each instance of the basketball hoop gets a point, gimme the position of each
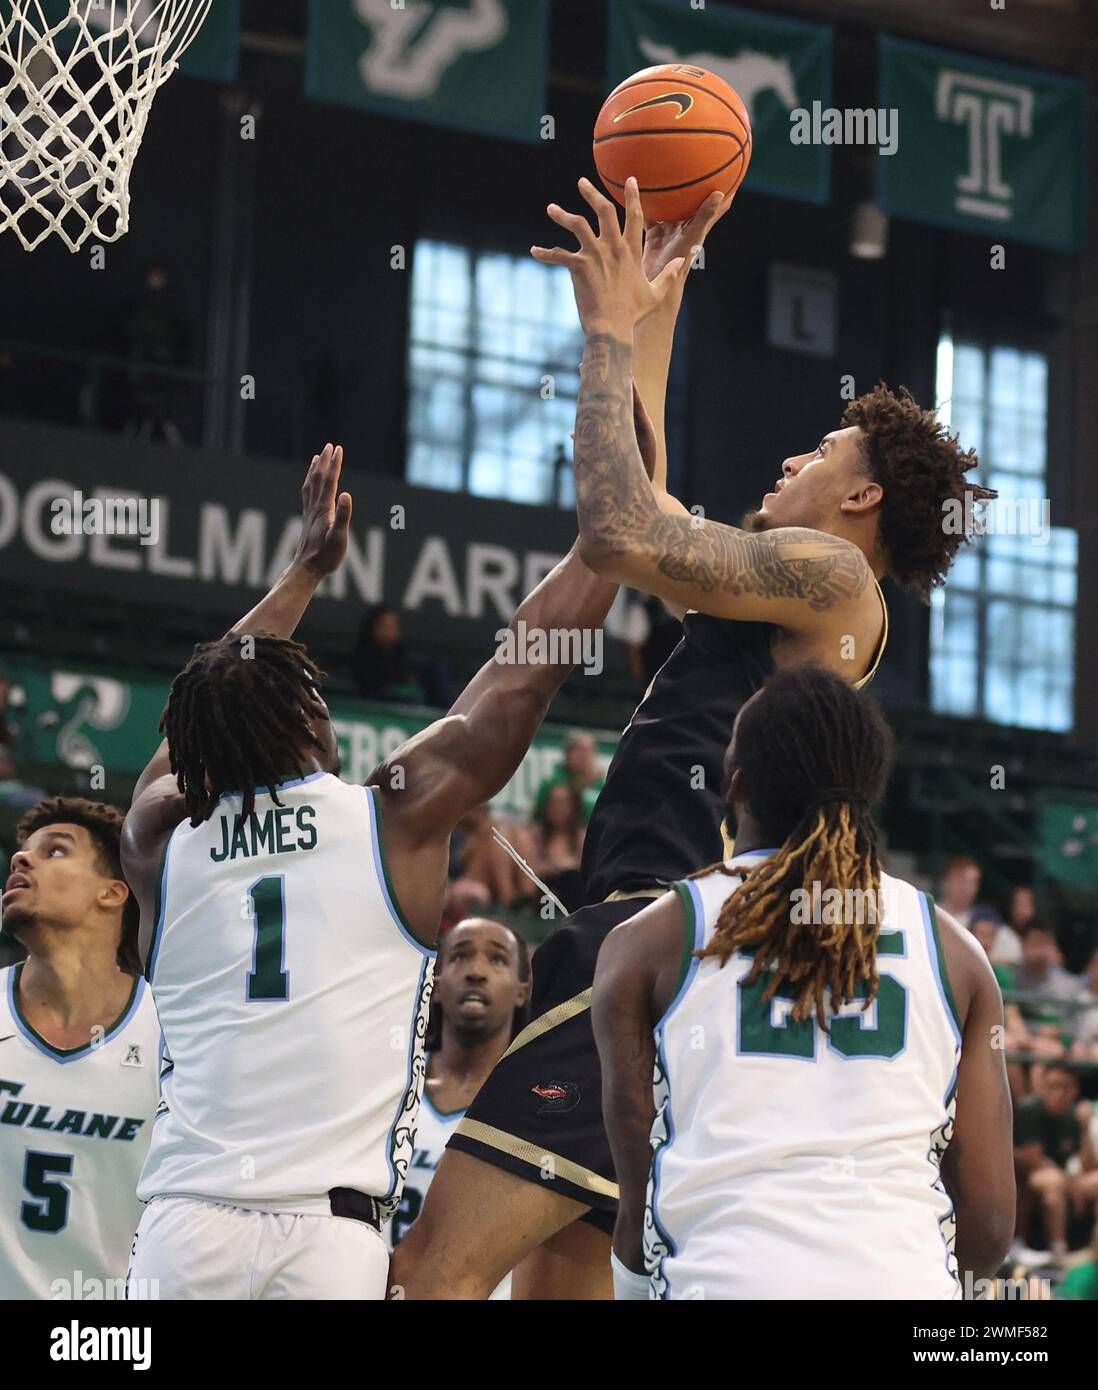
(77, 81)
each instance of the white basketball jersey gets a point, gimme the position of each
(294, 1001)
(74, 1130)
(793, 1163)
(432, 1135)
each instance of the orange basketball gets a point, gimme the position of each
(681, 131)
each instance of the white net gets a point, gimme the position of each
(77, 81)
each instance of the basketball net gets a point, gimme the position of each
(77, 81)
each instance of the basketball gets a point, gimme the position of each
(681, 131)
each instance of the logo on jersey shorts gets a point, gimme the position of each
(558, 1096)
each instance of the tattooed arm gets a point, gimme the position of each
(788, 576)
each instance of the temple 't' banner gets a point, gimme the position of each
(478, 65)
(777, 66)
(984, 147)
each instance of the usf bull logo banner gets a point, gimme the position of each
(476, 65)
(983, 147)
(777, 66)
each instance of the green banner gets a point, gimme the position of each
(1068, 837)
(477, 65)
(777, 66)
(984, 147)
(82, 719)
(215, 52)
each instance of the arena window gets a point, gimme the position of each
(493, 375)
(1002, 632)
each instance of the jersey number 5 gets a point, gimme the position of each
(268, 978)
(50, 1213)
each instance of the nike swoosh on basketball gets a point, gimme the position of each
(683, 100)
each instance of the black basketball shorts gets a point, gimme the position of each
(539, 1114)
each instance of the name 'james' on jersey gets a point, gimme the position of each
(293, 999)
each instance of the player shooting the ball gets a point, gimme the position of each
(797, 582)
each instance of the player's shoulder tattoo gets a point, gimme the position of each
(793, 562)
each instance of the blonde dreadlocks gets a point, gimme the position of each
(812, 754)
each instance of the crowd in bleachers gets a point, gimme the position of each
(1051, 1039)
(549, 840)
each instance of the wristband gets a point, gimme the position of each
(627, 1284)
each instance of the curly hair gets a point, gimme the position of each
(238, 719)
(813, 755)
(921, 468)
(103, 823)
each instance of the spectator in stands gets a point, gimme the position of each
(959, 886)
(1085, 1032)
(1021, 912)
(1022, 909)
(465, 897)
(1048, 1133)
(383, 670)
(1081, 1282)
(985, 925)
(482, 859)
(579, 770)
(1021, 1044)
(155, 335)
(15, 794)
(1005, 950)
(554, 842)
(1042, 979)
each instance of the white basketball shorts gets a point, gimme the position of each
(187, 1248)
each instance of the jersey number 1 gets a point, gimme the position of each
(267, 978)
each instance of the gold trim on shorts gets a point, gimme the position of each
(619, 897)
(553, 1019)
(538, 1157)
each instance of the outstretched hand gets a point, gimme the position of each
(666, 241)
(613, 293)
(325, 514)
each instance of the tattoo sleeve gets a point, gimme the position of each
(619, 518)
